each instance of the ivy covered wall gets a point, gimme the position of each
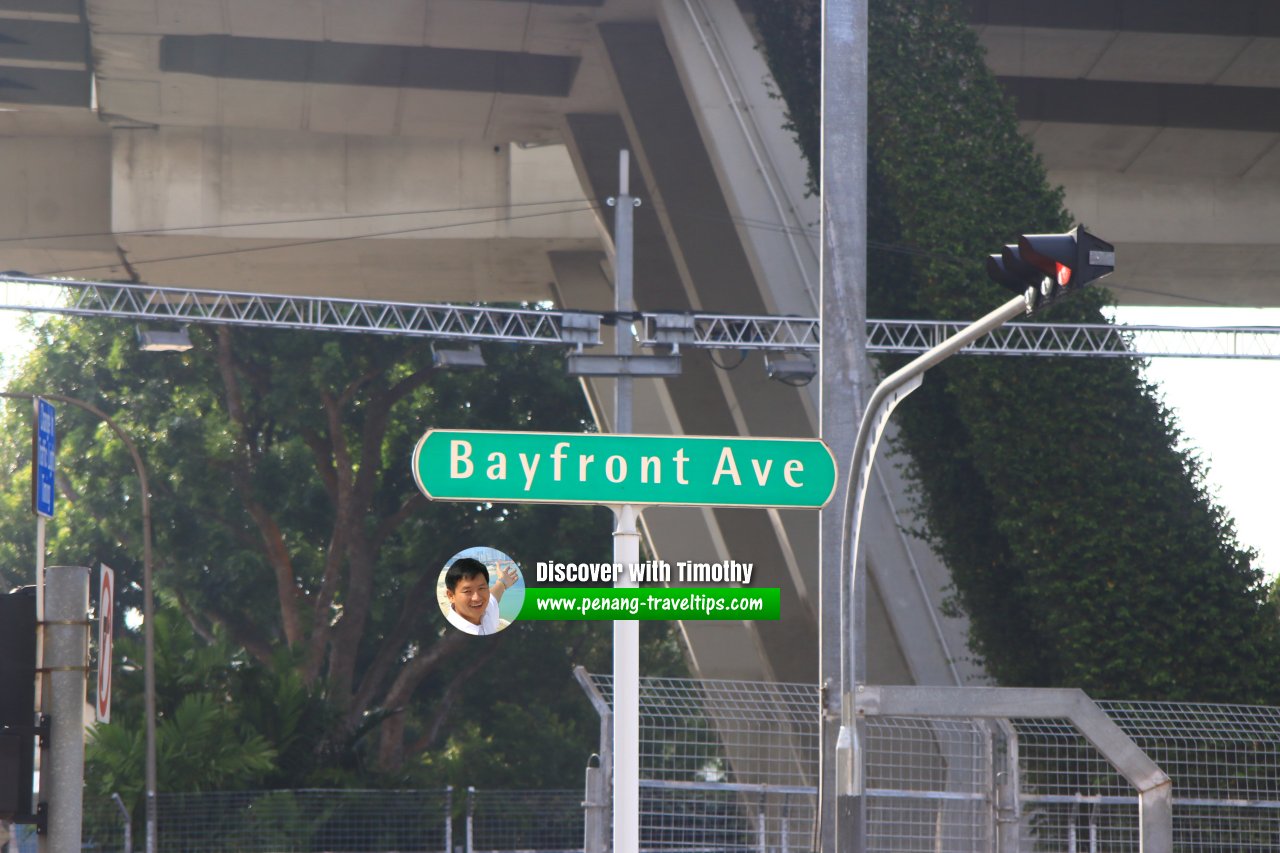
(1081, 541)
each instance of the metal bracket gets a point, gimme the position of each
(40, 730)
(40, 818)
(582, 364)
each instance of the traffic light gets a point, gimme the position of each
(17, 702)
(1043, 267)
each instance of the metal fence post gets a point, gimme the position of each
(126, 824)
(606, 748)
(471, 805)
(784, 831)
(594, 805)
(448, 819)
(762, 827)
(1007, 786)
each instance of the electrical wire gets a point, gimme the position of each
(742, 356)
(587, 204)
(314, 242)
(294, 221)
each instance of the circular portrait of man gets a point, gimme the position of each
(480, 590)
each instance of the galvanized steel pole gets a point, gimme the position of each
(843, 352)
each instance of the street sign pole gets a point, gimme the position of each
(43, 461)
(626, 550)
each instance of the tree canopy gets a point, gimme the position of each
(298, 560)
(1081, 540)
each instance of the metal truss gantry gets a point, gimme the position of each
(534, 325)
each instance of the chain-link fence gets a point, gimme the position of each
(506, 821)
(732, 766)
(1224, 761)
(346, 821)
(928, 785)
(285, 821)
(304, 821)
(724, 765)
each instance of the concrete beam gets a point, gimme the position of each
(1122, 102)
(57, 210)
(385, 218)
(1224, 17)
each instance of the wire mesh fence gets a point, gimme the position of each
(104, 826)
(755, 733)
(1224, 761)
(928, 784)
(725, 765)
(732, 766)
(304, 821)
(503, 821)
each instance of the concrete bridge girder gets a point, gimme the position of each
(286, 183)
(693, 249)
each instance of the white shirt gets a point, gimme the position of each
(488, 622)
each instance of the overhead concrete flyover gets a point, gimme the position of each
(1161, 119)
(463, 150)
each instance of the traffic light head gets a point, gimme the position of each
(1043, 267)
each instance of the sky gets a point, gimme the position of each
(1228, 411)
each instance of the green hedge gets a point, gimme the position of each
(1081, 541)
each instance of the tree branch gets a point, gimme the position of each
(391, 523)
(277, 553)
(451, 695)
(239, 631)
(344, 520)
(389, 650)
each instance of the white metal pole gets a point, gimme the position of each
(626, 695)
(626, 550)
(40, 546)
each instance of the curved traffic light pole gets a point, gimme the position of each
(891, 391)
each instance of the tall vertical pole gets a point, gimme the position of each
(626, 551)
(148, 599)
(148, 643)
(66, 653)
(843, 179)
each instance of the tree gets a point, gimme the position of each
(1081, 541)
(287, 523)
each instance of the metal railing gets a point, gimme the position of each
(346, 821)
(504, 821)
(731, 765)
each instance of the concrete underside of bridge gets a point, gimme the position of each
(460, 150)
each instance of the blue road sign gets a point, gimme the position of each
(44, 459)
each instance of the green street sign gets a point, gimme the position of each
(669, 470)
